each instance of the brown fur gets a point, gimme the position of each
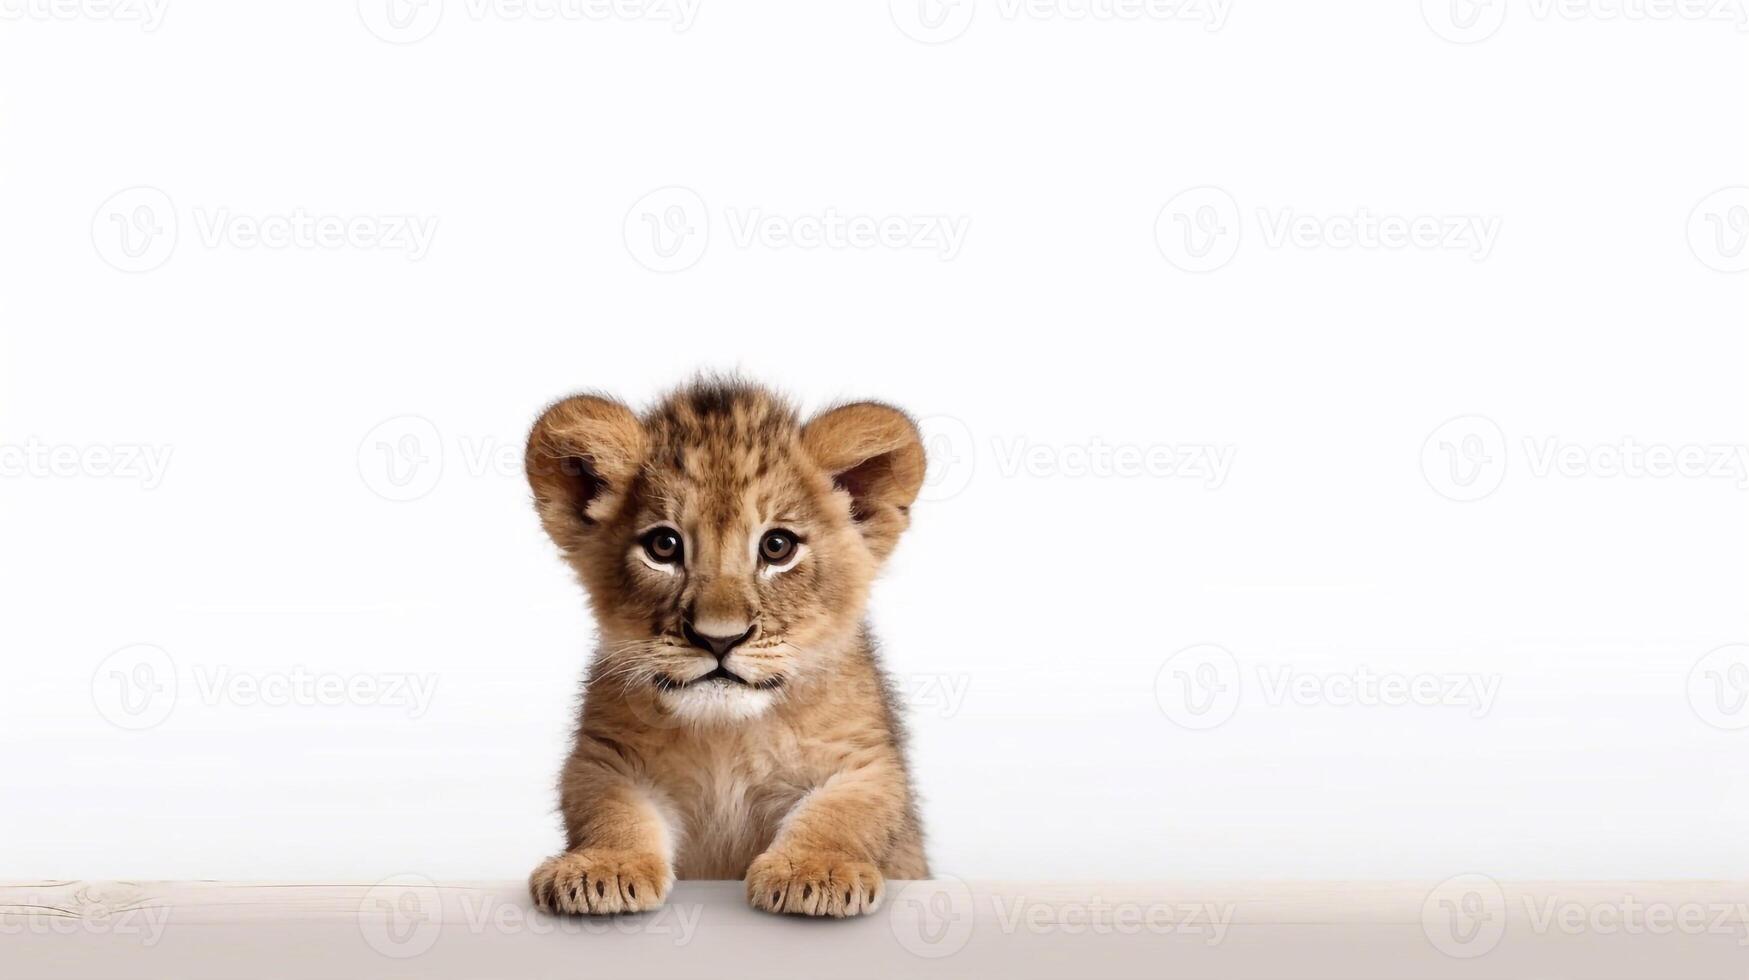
(794, 781)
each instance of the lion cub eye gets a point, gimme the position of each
(777, 547)
(662, 544)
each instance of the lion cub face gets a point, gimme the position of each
(727, 548)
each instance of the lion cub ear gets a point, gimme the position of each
(874, 453)
(580, 460)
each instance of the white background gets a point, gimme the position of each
(304, 391)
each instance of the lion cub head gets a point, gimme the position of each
(727, 547)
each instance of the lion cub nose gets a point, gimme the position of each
(717, 645)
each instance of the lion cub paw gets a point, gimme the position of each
(813, 884)
(600, 882)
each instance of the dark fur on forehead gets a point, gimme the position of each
(721, 408)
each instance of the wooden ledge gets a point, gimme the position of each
(409, 926)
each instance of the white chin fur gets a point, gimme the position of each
(717, 702)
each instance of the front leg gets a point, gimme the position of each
(826, 855)
(617, 858)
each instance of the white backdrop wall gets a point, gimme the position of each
(1386, 360)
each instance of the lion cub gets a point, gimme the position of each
(735, 722)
